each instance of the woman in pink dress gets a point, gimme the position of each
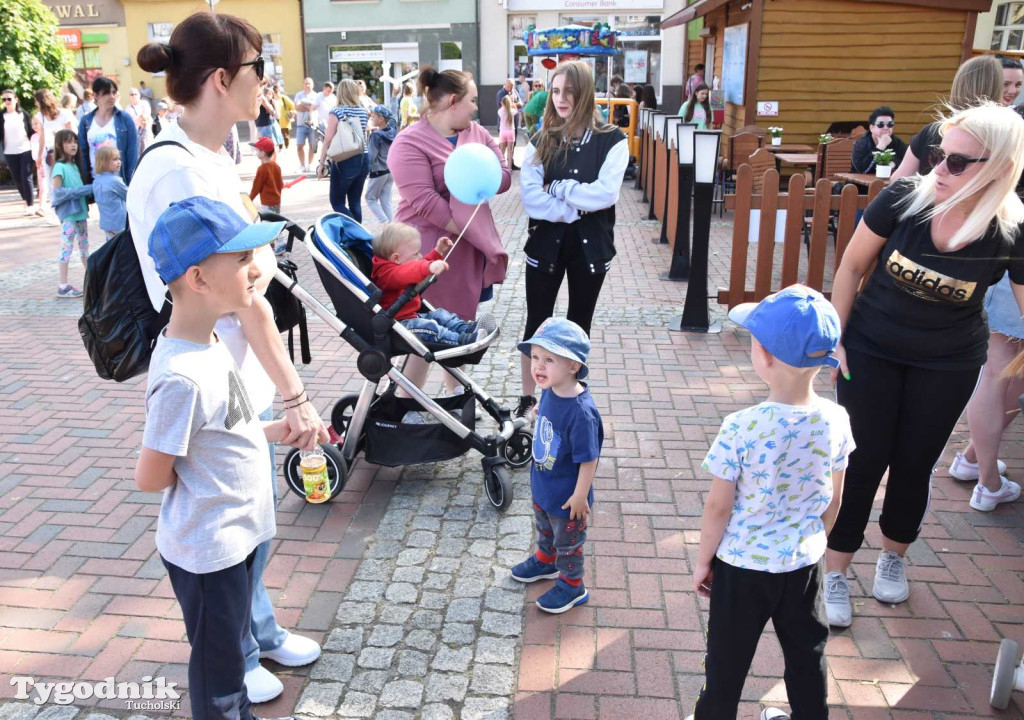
(416, 162)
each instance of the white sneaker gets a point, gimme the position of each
(837, 600)
(891, 578)
(985, 500)
(772, 713)
(296, 650)
(964, 470)
(261, 685)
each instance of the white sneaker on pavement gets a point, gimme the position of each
(891, 578)
(773, 713)
(296, 650)
(837, 600)
(964, 470)
(985, 500)
(261, 685)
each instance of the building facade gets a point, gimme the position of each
(649, 55)
(386, 42)
(279, 21)
(96, 38)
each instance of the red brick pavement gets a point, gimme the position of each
(82, 594)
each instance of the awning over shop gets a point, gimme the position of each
(703, 7)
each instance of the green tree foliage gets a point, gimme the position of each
(31, 55)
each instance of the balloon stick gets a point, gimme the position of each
(465, 227)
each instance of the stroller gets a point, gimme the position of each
(371, 421)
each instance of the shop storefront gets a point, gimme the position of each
(94, 34)
(648, 56)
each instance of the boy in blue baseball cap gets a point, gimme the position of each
(567, 443)
(778, 472)
(205, 447)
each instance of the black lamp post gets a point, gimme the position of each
(680, 267)
(658, 122)
(670, 141)
(695, 318)
(641, 129)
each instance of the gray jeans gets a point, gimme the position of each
(560, 540)
(378, 196)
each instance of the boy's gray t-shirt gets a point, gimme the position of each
(221, 506)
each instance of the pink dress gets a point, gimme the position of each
(506, 126)
(416, 161)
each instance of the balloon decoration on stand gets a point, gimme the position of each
(473, 176)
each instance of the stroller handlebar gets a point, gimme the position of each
(410, 292)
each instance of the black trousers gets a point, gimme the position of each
(542, 288)
(217, 609)
(901, 417)
(23, 170)
(742, 602)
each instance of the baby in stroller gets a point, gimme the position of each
(397, 264)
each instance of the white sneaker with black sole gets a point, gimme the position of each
(964, 470)
(837, 600)
(891, 584)
(985, 500)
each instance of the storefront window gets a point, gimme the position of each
(1009, 27)
(637, 25)
(451, 56)
(358, 62)
(639, 63)
(521, 63)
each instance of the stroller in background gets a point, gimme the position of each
(371, 421)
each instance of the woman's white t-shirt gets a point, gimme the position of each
(15, 140)
(51, 127)
(167, 175)
(100, 135)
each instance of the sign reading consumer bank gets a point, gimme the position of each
(606, 6)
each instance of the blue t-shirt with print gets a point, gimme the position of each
(568, 432)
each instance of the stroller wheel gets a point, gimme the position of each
(337, 471)
(1004, 675)
(519, 448)
(498, 486)
(341, 413)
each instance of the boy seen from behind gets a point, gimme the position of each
(205, 447)
(778, 472)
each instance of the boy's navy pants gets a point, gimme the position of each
(217, 608)
(560, 541)
(742, 602)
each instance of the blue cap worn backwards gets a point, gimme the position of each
(190, 231)
(563, 338)
(797, 325)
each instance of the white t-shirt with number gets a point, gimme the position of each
(169, 174)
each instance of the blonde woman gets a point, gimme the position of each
(347, 176)
(571, 177)
(978, 80)
(915, 338)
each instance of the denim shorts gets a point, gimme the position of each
(1003, 313)
(302, 133)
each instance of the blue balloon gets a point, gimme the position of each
(472, 173)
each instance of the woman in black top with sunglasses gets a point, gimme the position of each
(881, 137)
(915, 337)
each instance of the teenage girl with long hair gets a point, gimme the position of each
(571, 177)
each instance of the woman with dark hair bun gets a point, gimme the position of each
(215, 71)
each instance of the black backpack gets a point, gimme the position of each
(288, 310)
(119, 325)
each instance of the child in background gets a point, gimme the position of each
(68, 196)
(507, 128)
(567, 441)
(778, 472)
(408, 110)
(383, 129)
(397, 264)
(205, 447)
(109, 190)
(268, 182)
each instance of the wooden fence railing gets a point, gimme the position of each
(772, 207)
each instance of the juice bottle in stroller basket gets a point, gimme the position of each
(314, 475)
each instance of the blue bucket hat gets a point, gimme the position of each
(797, 325)
(191, 230)
(565, 339)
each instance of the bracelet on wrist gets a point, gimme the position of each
(292, 407)
(301, 393)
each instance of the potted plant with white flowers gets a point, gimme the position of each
(825, 138)
(776, 133)
(883, 162)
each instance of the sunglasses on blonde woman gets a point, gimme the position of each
(955, 162)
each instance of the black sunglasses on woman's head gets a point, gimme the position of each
(955, 162)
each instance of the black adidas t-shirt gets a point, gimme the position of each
(922, 307)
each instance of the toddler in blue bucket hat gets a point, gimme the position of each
(566, 447)
(778, 470)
